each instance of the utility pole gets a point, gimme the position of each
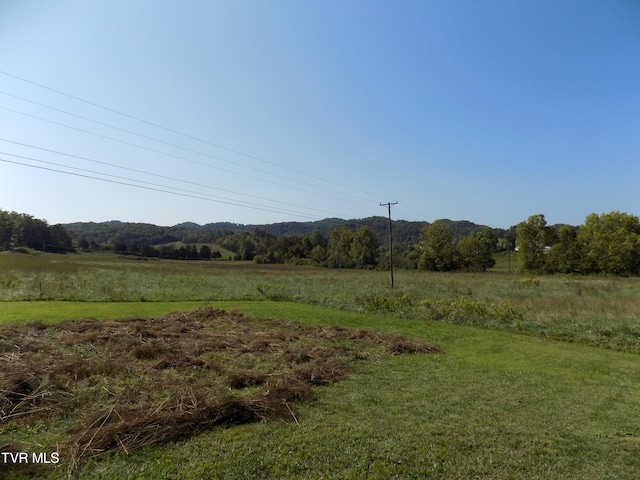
(389, 205)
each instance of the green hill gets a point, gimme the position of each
(404, 232)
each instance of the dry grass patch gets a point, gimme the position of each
(119, 385)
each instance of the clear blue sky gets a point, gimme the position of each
(488, 111)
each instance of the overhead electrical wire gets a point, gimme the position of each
(281, 210)
(163, 142)
(162, 176)
(188, 135)
(178, 157)
(174, 145)
(153, 187)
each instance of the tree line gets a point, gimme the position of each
(344, 248)
(608, 243)
(405, 233)
(22, 230)
(440, 250)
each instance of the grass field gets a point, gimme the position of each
(597, 310)
(524, 390)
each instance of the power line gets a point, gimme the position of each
(158, 141)
(184, 134)
(194, 195)
(174, 156)
(159, 176)
(144, 182)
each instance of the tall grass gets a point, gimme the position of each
(496, 405)
(600, 310)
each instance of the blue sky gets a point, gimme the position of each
(268, 111)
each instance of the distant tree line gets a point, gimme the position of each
(331, 242)
(182, 252)
(345, 248)
(440, 250)
(608, 243)
(405, 233)
(22, 230)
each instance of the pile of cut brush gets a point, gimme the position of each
(122, 384)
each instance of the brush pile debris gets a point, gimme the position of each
(120, 385)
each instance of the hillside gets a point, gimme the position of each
(404, 232)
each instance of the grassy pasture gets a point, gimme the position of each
(506, 401)
(597, 310)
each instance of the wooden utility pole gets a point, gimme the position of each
(388, 205)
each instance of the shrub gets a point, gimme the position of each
(271, 292)
(469, 312)
(527, 282)
(386, 304)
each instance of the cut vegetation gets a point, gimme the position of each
(117, 386)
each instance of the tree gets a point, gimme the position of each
(6, 230)
(610, 243)
(118, 245)
(29, 232)
(148, 251)
(364, 247)
(510, 238)
(318, 251)
(532, 240)
(317, 239)
(438, 248)
(205, 252)
(339, 248)
(490, 240)
(246, 250)
(319, 255)
(564, 256)
(476, 251)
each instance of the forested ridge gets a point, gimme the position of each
(404, 232)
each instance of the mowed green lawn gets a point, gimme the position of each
(55, 311)
(497, 405)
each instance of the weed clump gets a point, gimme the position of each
(269, 291)
(527, 282)
(147, 351)
(386, 304)
(468, 312)
(461, 311)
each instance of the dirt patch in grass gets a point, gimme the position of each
(119, 385)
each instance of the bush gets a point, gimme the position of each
(465, 311)
(271, 292)
(527, 282)
(385, 304)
